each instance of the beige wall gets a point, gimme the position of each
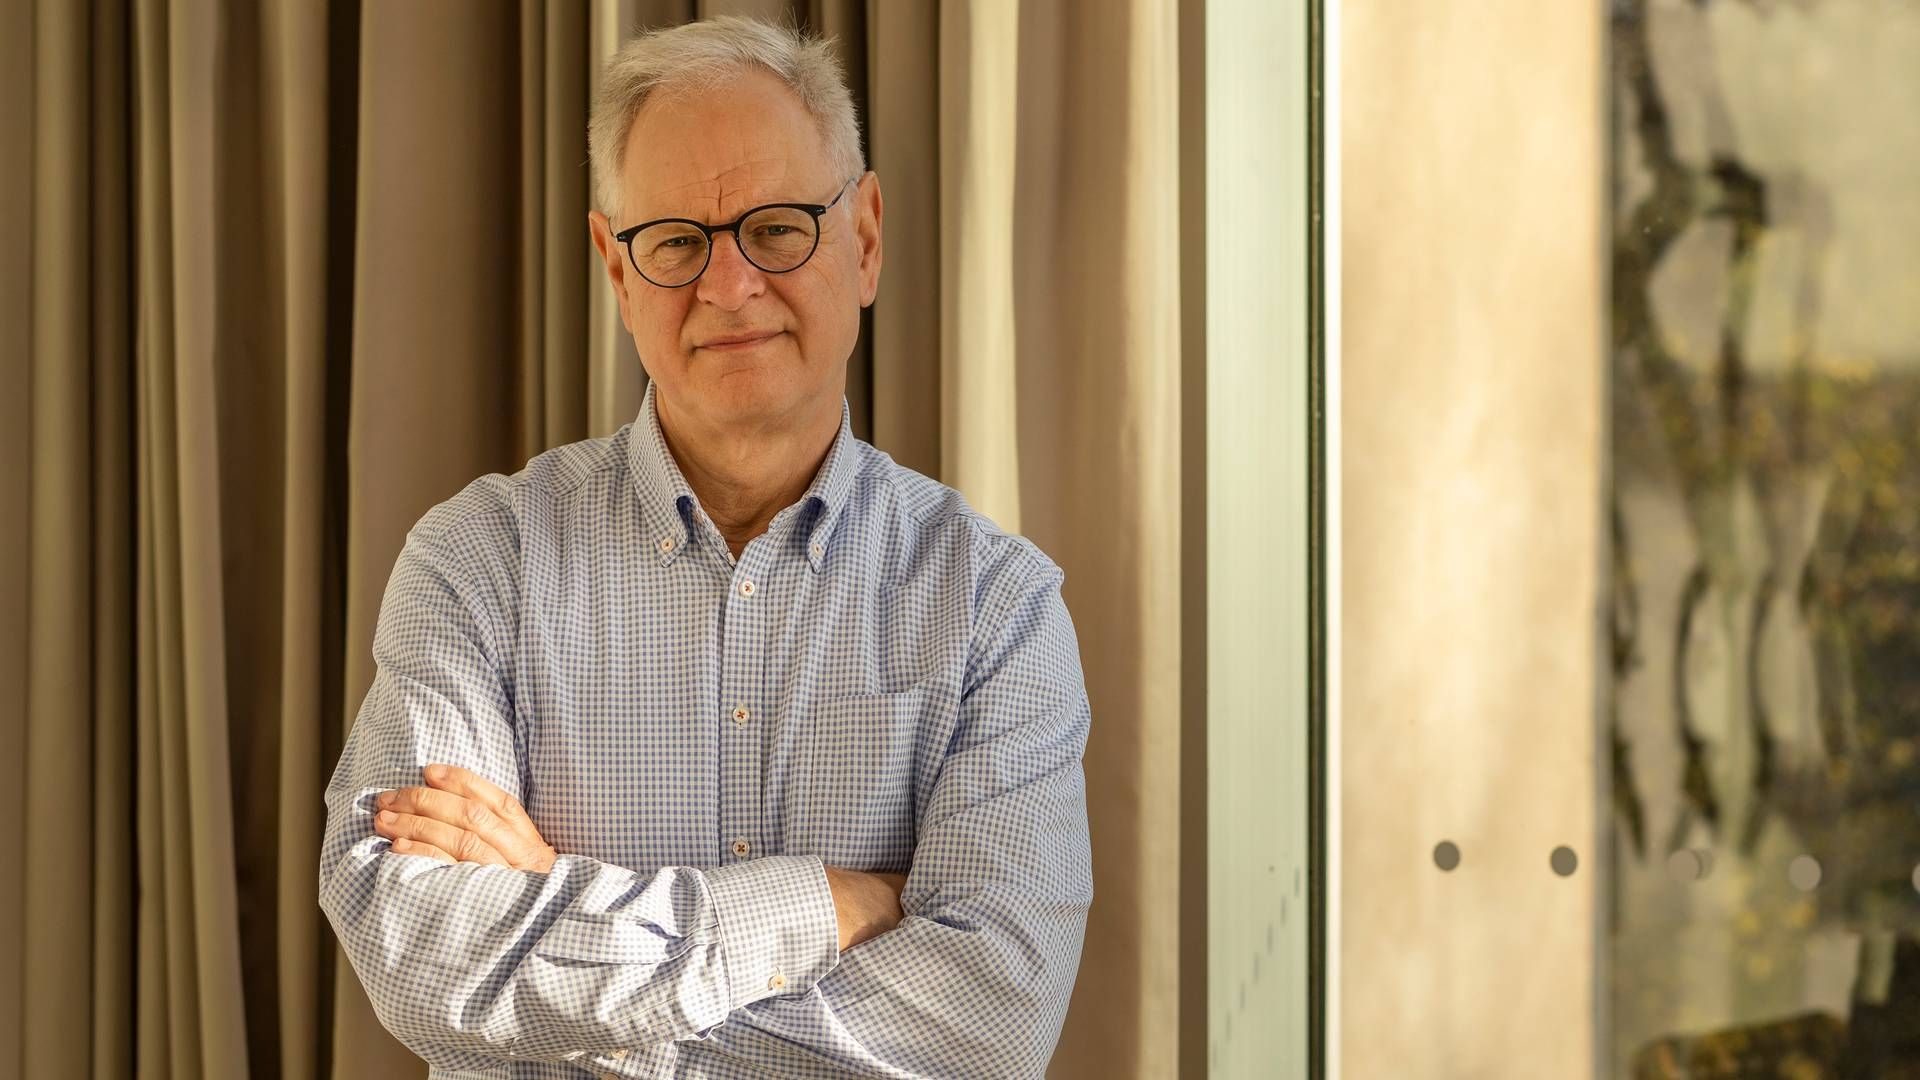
(1472, 145)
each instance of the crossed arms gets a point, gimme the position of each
(549, 956)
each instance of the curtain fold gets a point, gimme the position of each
(981, 250)
(181, 653)
(300, 270)
(75, 754)
(903, 135)
(18, 43)
(552, 204)
(59, 897)
(1096, 317)
(298, 109)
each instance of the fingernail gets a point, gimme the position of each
(400, 844)
(386, 817)
(385, 800)
(436, 772)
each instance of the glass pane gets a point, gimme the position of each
(1256, 604)
(1765, 511)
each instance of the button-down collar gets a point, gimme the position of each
(668, 503)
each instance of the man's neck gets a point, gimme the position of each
(742, 482)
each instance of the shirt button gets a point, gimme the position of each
(778, 982)
(618, 1055)
(740, 848)
(666, 544)
(740, 715)
(818, 551)
(746, 587)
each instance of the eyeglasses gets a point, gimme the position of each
(778, 238)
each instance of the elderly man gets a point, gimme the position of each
(724, 746)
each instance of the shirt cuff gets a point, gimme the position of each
(778, 930)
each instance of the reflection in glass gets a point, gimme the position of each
(1765, 513)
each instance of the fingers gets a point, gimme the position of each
(405, 846)
(513, 838)
(445, 806)
(490, 811)
(463, 845)
(474, 786)
(516, 841)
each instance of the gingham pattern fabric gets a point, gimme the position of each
(884, 681)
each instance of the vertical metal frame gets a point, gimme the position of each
(1318, 478)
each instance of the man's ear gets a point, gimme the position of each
(868, 209)
(613, 256)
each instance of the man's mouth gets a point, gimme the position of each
(739, 341)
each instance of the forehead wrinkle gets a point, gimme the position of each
(728, 193)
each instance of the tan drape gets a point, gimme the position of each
(300, 270)
(76, 873)
(1073, 439)
(16, 442)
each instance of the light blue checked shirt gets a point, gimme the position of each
(884, 681)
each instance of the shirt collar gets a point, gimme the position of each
(669, 507)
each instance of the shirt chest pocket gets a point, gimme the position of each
(865, 753)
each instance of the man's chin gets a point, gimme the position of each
(748, 394)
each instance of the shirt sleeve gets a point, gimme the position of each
(468, 964)
(975, 980)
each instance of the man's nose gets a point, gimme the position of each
(730, 280)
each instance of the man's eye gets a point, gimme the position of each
(676, 242)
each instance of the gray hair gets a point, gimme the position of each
(700, 55)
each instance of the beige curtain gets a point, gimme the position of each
(289, 273)
(1059, 417)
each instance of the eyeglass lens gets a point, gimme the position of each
(776, 239)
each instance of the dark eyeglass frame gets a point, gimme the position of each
(816, 210)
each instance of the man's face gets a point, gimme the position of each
(712, 156)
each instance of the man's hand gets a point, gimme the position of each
(461, 817)
(866, 905)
